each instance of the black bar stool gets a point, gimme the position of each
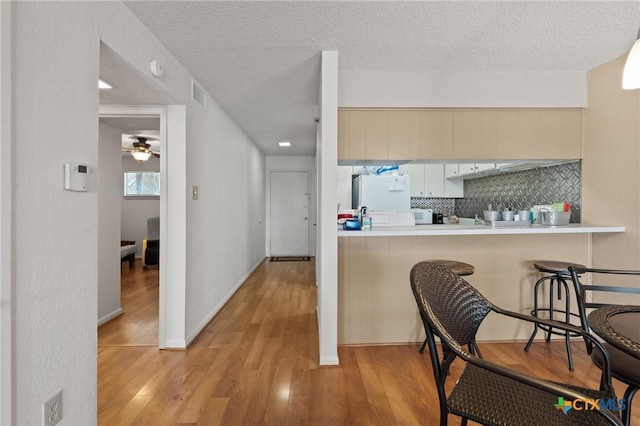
(556, 273)
(461, 269)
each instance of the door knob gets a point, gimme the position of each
(306, 218)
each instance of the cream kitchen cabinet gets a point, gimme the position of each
(394, 134)
(517, 133)
(446, 134)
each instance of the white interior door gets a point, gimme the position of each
(289, 213)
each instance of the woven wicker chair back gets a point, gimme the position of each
(449, 303)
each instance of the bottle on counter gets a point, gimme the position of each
(365, 218)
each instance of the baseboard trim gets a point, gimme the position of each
(175, 344)
(193, 336)
(110, 316)
(329, 360)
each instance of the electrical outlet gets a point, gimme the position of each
(52, 410)
(194, 192)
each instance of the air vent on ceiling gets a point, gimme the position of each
(198, 94)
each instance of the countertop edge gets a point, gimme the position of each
(427, 230)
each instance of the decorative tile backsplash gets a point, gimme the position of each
(445, 206)
(520, 190)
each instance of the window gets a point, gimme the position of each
(141, 184)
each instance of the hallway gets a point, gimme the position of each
(257, 363)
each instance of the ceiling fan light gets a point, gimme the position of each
(631, 73)
(141, 155)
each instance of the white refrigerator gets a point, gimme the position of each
(382, 192)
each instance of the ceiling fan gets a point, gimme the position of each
(141, 150)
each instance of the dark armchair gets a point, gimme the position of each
(486, 392)
(151, 245)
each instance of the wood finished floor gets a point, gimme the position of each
(256, 363)
(139, 298)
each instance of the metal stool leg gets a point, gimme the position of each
(534, 312)
(567, 320)
(551, 309)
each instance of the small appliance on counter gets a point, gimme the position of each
(423, 216)
(438, 218)
(391, 218)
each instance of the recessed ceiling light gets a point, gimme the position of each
(284, 143)
(104, 85)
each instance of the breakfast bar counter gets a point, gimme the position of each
(375, 303)
(462, 229)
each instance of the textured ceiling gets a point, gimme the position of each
(261, 60)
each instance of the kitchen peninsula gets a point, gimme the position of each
(375, 303)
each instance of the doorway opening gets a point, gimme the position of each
(289, 202)
(128, 209)
(115, 114)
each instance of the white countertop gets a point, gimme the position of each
(461, 229)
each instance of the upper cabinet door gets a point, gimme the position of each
(376, 135)
(451, 170)
(562, 133)
(416, 171)
(518, 134)
(352, 133)
(343, 135)
(540, 134)
(434, 180)
(474, 134)
(399, 137)
(436, 134)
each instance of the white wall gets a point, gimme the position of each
(294, 163)
(432, 89)
(56, 231)
(226, 223)
(610, 167)
(6, 237)
(327, 257)
(109, 196)
(135, 211)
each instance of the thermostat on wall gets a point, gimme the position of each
(76, 177)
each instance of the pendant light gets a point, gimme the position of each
(631, 73)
